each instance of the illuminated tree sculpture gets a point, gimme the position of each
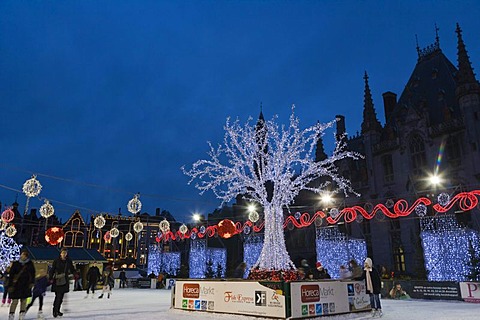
(270, 165)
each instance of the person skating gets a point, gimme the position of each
(6, 299)
(62, 267)
(39, 289)
(93, 275)
(108, 282)
(123, 279)
(22, 278)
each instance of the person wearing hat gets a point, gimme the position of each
(22, 278)
(62, 267)
(320, 272)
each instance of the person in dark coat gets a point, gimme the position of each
(22, 278)
(239, 271)
(93, 275)
(5, 298)
(320, 272)
(62, 267)
(123, 279)
(355, 269)
(108, 282)
(39, 289)
(373, 286)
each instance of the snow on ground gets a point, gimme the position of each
(140, 304)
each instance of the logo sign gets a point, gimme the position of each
(310, 293)
(191, 290)
(260, 298)
(470, 291)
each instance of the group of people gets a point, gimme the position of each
(22, 281)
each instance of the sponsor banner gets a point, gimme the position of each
(238, 297)
(438, 290)
(309, 299)
(470, 291)
(170, 283)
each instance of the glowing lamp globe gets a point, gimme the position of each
(226, 229)
(138, 226)
(253, 216)
(47, 210)
(134, 205)
(8, 215)
(128, 236)
(183, 229)
(164, 226)
(114, 232)
(99, 222)
(10, 231)
(32, 187)
(54, 236)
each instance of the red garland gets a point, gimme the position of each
(54, 235)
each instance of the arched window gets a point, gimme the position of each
(417, 155)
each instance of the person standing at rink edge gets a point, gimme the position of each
(62, 267)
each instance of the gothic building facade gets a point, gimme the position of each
(433, 128)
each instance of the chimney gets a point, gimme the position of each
(389, 103)
(157, 212)
(340, 126)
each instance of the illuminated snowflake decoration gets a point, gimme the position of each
(202, 229)
(253, 216)
(368, 207)
(32, 187)
(47, 210)
(134, 206)
(443, 199)
(318, 222)
(9, 251)
(138, 227)
(246, 230)
(334, 213)
(193, 236)
(258, 156)
(99, 222)
(389, 203)
(10, 231)
(183, 229)
(114, 232)
(297, 215)
(421, 210)
(128, 236)
(164, 226)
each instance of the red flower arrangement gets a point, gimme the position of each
(54, 235)
(226, 229)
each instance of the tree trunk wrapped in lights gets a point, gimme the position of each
(270, 165)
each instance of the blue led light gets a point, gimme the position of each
(251, 251)
(165, 262)
(200, 254)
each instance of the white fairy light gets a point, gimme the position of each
(128, 236)
(114, 232)
(183, 229)
(99, 222)
(254, 159)
(47, 210)
(421, 210)
(443, 199)
(334, 213)
(134, 205)
(138, 227)
(9, 251)
(164, 226)
(32, 187)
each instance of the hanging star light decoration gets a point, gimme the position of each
(134, 205)
(47, 210)
(256, 158)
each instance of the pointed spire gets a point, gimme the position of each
(370, 121)
(465, 70)
(320, 154)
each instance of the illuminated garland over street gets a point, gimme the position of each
(466, 201)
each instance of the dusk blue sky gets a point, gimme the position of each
(113, 97)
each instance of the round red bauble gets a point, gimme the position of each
(54, 235)
(8, 215)
(226, 229)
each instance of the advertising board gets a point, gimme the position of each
(309, 299)
(237, 297)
